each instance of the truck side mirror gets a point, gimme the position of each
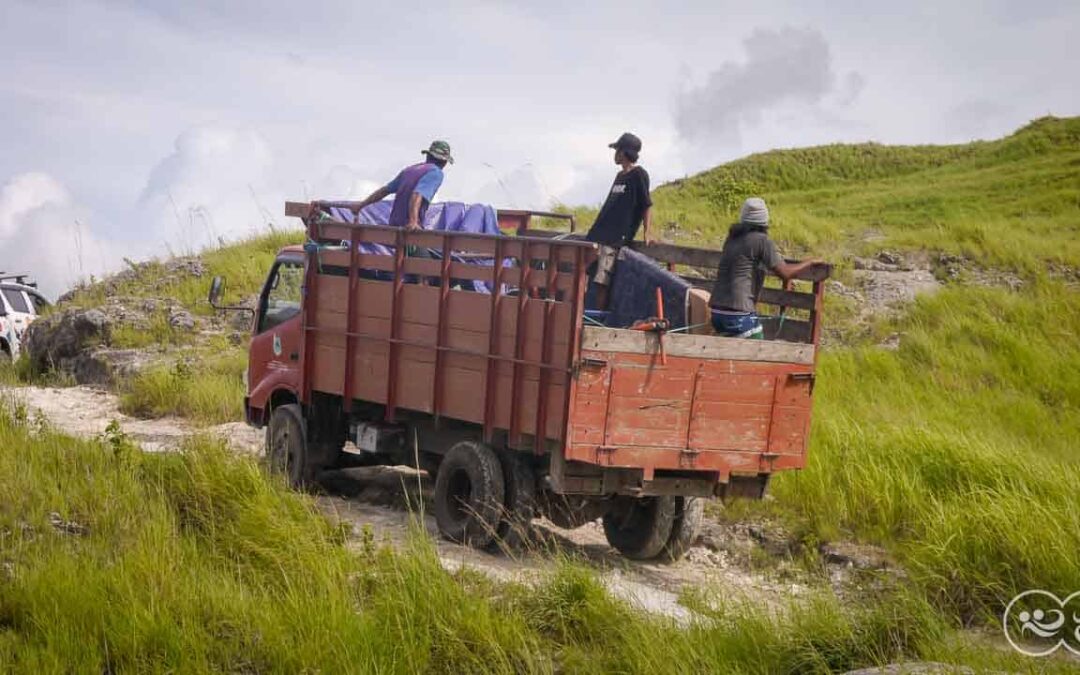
(217, 285)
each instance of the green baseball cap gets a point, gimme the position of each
(439, 150)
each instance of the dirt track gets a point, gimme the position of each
(377, 498)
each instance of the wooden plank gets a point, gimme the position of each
(297, 209)
(729, 426)
(647, 422)
(789, 430)
(709, 258)
(789, 330)
(695, 346)
(794, 299)
(757, 388)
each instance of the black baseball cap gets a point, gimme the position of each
(627, 142)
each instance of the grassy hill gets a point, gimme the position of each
(1012, 202)
(957, 451)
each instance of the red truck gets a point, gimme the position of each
(517, 407)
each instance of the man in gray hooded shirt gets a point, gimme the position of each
(747, 252)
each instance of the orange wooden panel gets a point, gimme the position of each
(648, 422)
(420, 304)
(789, 431)
(791, 392)
(590, 417)
(736, 387)
(666, 458)
(717, 425)
(663, 382)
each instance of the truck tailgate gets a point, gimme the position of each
(718, 404)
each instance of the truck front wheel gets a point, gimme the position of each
(286, 446)
(640, 527)
(469, 492)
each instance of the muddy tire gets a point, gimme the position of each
(689, 512)
(640, 527)
(519, 505)
(469, 493)
(286, 447)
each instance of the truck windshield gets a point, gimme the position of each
(283, 297)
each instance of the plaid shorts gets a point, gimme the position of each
(738, 325)
(605, 264)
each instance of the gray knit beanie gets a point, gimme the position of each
(754, 212)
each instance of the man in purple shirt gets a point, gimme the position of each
(414, 187)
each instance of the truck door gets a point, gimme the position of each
(275, 348)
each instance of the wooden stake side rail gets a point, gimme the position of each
(710, 259)
(408, 343)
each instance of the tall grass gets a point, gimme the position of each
(207, 389)
(959, 450)
(116, 561)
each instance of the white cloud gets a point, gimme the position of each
(217, 182)
(24, 194)
(44, 233)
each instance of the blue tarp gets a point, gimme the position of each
(633, 291)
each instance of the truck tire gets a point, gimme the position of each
(570, 511)
(286, 446)
(639, 527)
(689, 512)
(519, 505)
(469, 492)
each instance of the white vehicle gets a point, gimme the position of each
(20, 304)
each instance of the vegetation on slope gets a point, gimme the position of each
(114, 561)
(1014, 202)
(959, 449)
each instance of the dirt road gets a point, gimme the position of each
(378, 499)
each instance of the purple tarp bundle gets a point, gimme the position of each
(445, 216)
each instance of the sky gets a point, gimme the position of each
(136, 129)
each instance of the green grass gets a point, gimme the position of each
(243, 264)
(958, 450)
(1012, 203)
(116, 561)
(206, 387)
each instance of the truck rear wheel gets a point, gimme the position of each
(519, 506)
(689, 512)
(286, 446)
(469, 492)
(639, 527)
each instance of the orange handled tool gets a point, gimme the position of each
(656, 324)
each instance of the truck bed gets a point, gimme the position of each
(519, 363)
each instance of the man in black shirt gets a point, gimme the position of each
(627, 206)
